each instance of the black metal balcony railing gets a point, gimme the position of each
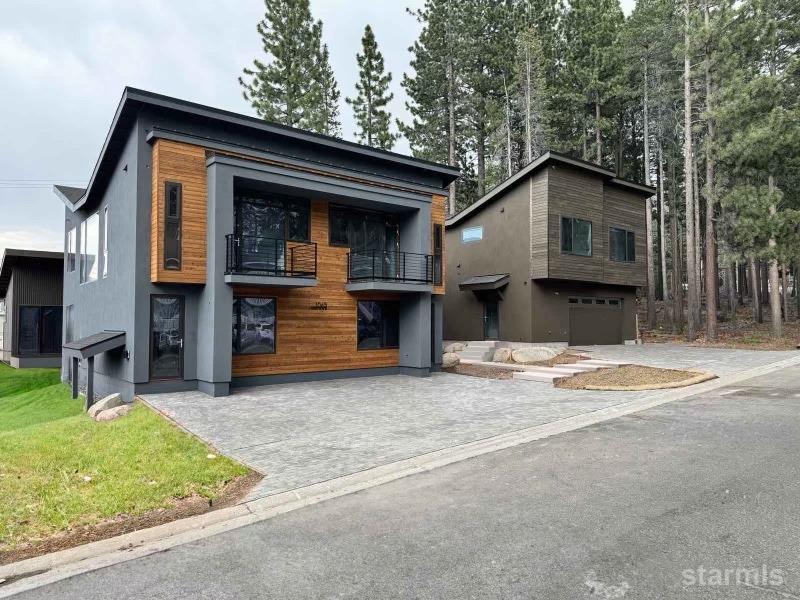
(251, 255)
(384, 265)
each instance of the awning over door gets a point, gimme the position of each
(485, 282)
(88, 347)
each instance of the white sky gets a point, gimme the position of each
(63, 65)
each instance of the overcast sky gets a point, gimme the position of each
(63, 66)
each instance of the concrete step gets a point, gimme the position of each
(604, 364)
(540, 376)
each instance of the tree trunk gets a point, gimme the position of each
(785, 291)
(764, 283)
(742, 277)
(698, 271)
(528, 111)
(509, 168)
(480, 147)
(754, 278)
(691, 323)
(712, 278)
(451, 146)
(597, 135)
(662, 236)
(651, 274)
(774, 278)
(732, 272)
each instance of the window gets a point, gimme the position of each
(437, 254)
(105, 242)
(261, 214)
(90, 245)
(378, 325)
(172, 226)
(69, 326)
(254, 325)
(39, 330)
(472, 234)
(576, 236)
(71, 242)
(621, 245)
(363, 230)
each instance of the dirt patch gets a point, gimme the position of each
(482, 371)
(631, 377)
(231, 494)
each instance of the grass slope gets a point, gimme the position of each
(60, 469)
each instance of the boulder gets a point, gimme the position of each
(532, 354)
(454, 347)
(450, 359)
(110, 401)
(502, 355)
(113, 413)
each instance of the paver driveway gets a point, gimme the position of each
(304, 433)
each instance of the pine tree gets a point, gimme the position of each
(327, 118)
(369, 104)
(284, 88)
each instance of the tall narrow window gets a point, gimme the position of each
(71, 247)
(621, 245)
(105, 242)
(172, 226)
(438, 244)
(378, 325)
(90, 246)
(576, 236)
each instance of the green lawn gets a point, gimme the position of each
(48, 446)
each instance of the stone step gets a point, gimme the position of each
(540, 376)
(605, 364)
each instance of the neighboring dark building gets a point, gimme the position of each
(213, 249)
(553, 254)
(31, 284)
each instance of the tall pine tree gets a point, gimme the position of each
(369, 104)
(326, 118)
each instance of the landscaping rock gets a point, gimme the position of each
(502, 355)
(110, 401)
(526, 356)
(454, 347)
(450, 359)
(113, 413)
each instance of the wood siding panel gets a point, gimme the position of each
(625, 210)
(184, 164)
(539, 242)
(308, 339)
(438, 210)
(574, 193)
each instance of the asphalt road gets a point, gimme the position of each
(666, 503)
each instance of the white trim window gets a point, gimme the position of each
(105, 242)
(90, 245)
(470, 235)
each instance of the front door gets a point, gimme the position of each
(491, 320)
(166, 337)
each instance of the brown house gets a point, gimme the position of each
(553, 254)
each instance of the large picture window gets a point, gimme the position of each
(621, 245)
(260, 214)
(90, 247)
(254, 325)
(173, 211)
(576, 236)
(363, 230)
(378, 325)
(39, 330)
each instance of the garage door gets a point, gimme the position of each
(595, 321)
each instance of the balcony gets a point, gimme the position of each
(390, 271)
(270, 262)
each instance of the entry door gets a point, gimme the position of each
(166, 337)
(491, 320)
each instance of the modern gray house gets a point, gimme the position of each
(31, 290)
(212, 249)
(553, 254)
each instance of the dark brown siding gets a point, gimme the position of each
(505, 248)
(574, 193)
(539, 241)
(627, 211)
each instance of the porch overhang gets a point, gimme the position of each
(270, 281)
(88, 347)
(484, 282)
(388, 286)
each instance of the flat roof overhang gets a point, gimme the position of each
(15, 256)
(94, 344)
(480, 283)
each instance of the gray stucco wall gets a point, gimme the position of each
(505, 248)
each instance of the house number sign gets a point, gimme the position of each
(319, 306)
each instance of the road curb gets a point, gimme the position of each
(43, 570)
